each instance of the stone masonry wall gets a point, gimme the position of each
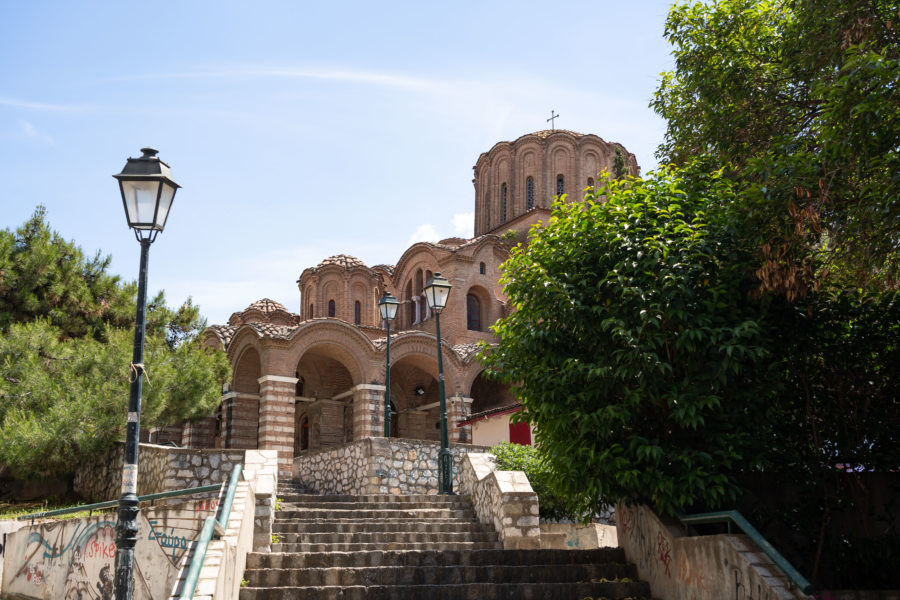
(162, 468)
(377, 466)
(503, 499)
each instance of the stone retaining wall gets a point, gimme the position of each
(378, 466)
(163, 468)
(503, 499)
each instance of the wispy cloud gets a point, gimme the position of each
(373, 78)
(425, 232)
(463, 224)
(15, 103)
(28, 130)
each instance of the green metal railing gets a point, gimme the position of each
(732, 516)
(210, 525)
(113, 503)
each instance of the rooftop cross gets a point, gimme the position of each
(552, 120)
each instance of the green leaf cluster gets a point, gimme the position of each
(528, 459)
(631, 343)
(800, 101)
(66, 336)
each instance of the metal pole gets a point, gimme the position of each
(387, 384)
(445, 483)
(127, 526)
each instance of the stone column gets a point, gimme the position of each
(276, 419)
(368, 410)
(458, 410)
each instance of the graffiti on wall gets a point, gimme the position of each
(75, 559)
(81, 559)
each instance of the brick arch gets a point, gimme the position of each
(485, 302)
(336, 339)
(487, 393)
(247, 371)
(422, 348)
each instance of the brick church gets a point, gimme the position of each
(314, 380)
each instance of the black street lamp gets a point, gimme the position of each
(437, 290)
(147, 192)
(388, 306)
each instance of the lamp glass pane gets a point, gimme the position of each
(388, 306)
(165, 203)
(140, 202)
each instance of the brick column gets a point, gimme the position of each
(276, 419)
(458, 410)
(368, 410)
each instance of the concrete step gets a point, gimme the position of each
(385, 537)
(453, 575)
(410, 513)
(364, 547)
(392, 526)
(434, 558)
(374, 498)
(370, 505)
(466, 591)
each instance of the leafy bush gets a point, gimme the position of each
(515, 457)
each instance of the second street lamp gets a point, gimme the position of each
(437, 290)
(388, 306)
(147, 192)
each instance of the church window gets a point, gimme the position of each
(560, 185)
(503, 203)
(529, 193)
(473, 313)
(357, 312)
(331, 308)
(481, 269)
(310, 311)
(590, 182)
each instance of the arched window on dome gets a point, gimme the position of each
(590, 182)
(529, 193)
(331, 311)
(311, 314)
(473, 313)
(560, 185)
(357, 312)
(481, 269)
(503, 203)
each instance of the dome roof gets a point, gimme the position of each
(266, 306)
(342, 260)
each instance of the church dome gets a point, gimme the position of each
(342, 260)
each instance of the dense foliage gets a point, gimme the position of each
(630, 346)
(66, 332)
(529, 460)
(800, 99)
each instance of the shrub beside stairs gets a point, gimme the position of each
(417, 547)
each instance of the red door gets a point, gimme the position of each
(519, 433)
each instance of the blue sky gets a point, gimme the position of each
(300, 130)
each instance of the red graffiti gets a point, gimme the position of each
(624, 518)
(207, 505)
(663, 551)
(103, 550)
(691, 575)
(34, 574)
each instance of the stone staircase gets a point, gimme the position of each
(417, 547)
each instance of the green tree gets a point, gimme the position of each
(631, 344)
(800, 99)
(66, 333)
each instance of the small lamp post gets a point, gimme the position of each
(388, 306)
(437, 290)
(147, 192)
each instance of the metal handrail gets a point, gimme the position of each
(733, 516)
(113, 503)
(206, 534)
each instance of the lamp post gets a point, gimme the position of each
(388, 306)
(437, 290)
(147, 192)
